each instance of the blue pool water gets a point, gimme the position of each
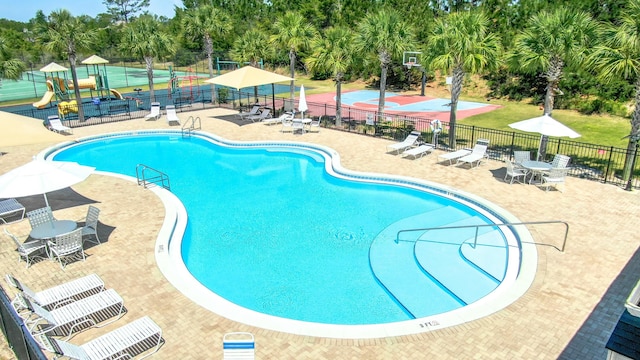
(270, 230)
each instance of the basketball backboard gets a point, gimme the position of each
(411, 59)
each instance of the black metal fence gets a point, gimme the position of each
(20, 341)
(591, 161)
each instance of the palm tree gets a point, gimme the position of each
(68, 34)
(386, 35)
(209, 23)
(143, 37)
(461, 44)
(551, 41)
(618, 56)
(250, 48)
(9, 68)
(293, 32)
(333, 53)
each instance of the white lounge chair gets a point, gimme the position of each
(67, 246)
(408, 142)
(29, 250)
(264, 114)
(514, 172)
(478, 153)
(418, 151)
(60, 294)
(172, 117)
(96, 310)
(155, 111)
(90, 227)
(125, 342)
(278, 120)
(255, 110)
(238, 346)
(453, 156)
(56, 125)
(9, 208)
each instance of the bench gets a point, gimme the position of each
(119, 108)
(10, 207)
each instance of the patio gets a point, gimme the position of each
(568, 313)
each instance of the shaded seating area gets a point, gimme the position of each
(264, 114)
(126, 342)
(255, 110)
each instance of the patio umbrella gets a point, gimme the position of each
(544, 125)
(302, 102)
(41, 177)
(249, 76)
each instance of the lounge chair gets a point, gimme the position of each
(278, 120)
(96, 310)
(9, 208)
(264, 114)
(453, 156)
(172, 117)
(238, 345)
(408, 142)
(29, 250)
(127, 341)
(155, 112)
(514, 172)
(555, 177)
(60, 294)
(90, 227)
(255, 110)
(478, 153)
(67, 246)
(418, 151)
(56, 125)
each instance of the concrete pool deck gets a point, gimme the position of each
(569, 311)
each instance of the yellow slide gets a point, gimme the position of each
(46, 99)
(117, 94)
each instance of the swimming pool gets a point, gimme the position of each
(290, 181)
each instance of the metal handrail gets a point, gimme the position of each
(190, 125)
(158, 177)
(475, 240)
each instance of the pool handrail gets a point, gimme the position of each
(477, 226)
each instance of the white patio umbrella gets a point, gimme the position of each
(545, 125)
(302, 102)
(41, 177)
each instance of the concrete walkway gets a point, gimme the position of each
(568, 312)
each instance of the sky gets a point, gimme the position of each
(25, 10)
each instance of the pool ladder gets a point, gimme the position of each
(190, 125)
(147, 176)
(477, 227)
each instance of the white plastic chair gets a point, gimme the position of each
(28, 251)
(67, 246)
(287, 125)
(125, 342)
(155, 111)
(40, 216)
(90, 227)
(314, 126)
(555, 177)
(514, 172)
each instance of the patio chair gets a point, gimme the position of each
(264, 114)
(278, 120)
(555, 177)
(419, 151)
(155, 112)
(560, 161)
(56, 125)
(9, 208)
(40, 216)
(514, 172)
(29, 250)
(315, 124)
(128, 341)
(255, 110)
(67, 246)
(518, 158)
(172, 117)
(58, 295)
(478, 153)
(408, 142)
(96, 310)
(90, 228)
(287, 125)
(297, 125)
(238, 345)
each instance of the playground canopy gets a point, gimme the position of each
(95, 60)
(247, 76)
(53, 67)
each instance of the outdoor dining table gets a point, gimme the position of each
(536, 167)
(52, 229)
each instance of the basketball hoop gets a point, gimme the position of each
(410, 64)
